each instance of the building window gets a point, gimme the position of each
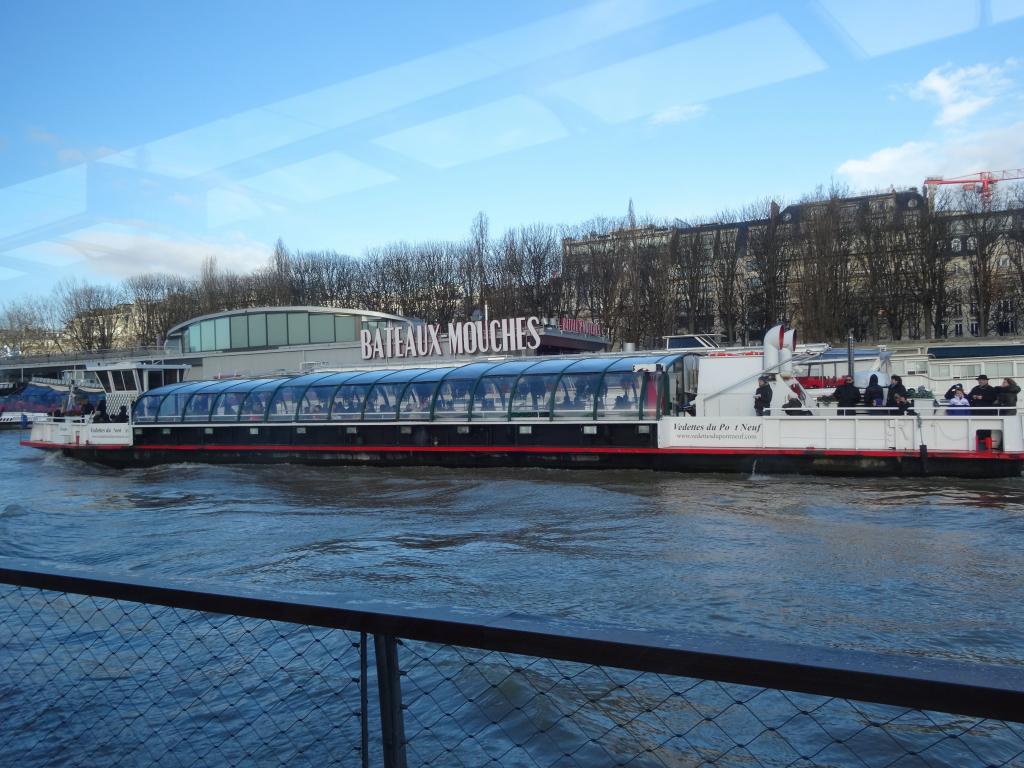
(972, 243)
(277, 330)
(955, 244)
(239, 332)
(222, 331)
(298, 328)
(209, 335)
(321, 329)
(345, 327)
(958, 329)
(258, 330)
(974, 328)
(195, 341)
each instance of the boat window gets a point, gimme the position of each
(649, 404)
(453, 400)
(574, 398)
(173, 406)
(532, 397)
(285, 403)
(198, 408)
(225, 408)
(146, 409)
(620, 395)
(416, 400)
(254, 407)
(492, 395)
(348, 402)
(382, 402)
(316, 404)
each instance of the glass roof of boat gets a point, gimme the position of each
(468, 372)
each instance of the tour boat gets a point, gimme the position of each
(686, 410)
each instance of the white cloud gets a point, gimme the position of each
(120, 251)
(963, 92)
(953, 155)
(679, 114)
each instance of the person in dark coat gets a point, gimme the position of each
(762, 396)
(896, 389)
(982, 397)
(846, 396)
(904, 407)
(1006, 397)
(122, 415)
(873, 395)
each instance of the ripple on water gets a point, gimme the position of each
(936, 566)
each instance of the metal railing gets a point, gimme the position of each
(99, 670)
(99, 355)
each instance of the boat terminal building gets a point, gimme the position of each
(270, 341)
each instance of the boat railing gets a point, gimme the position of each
(921, 408)
(102, 669)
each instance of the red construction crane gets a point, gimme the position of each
(980, 182)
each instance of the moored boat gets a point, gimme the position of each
(686, 410)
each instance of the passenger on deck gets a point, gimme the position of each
(794, 407)
(903, 407)
(896, 388)
(983, 397)
(959, 405)
(122, 415)
(873, 396)
(101, 416)
(762, 396)
(1006, 394)
(846, 396)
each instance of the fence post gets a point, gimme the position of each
(364, 701)
(389, 686)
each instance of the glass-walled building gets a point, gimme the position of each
(258, 340)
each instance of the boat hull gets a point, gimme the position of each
(839, 463)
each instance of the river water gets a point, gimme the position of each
(932, 567)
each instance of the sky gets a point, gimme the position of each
(145, 137)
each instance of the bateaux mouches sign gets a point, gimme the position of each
(510, 334)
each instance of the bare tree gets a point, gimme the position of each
(691, 253)
(885, 274)
(822, 244)
(92, 317)
(983, 229)
(725, 260)
(159, 302)
(26, 326)
(768, 278)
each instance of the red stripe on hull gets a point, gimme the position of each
(971, 455)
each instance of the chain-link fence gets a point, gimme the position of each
(98, 672)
